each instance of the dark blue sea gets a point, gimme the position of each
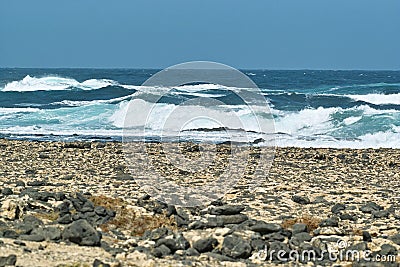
(311, 108)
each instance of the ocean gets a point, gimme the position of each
(311, 108)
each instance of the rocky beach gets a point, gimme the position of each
(77, 204)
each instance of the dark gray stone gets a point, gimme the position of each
(32, 221)
(265, 228)
(258, 244)
(99, 263)
(337, 208)
(380, 214)
(49, 233)
(63, 208)
(20, 183)
(330, 222)
(301, 200)
(192, 252)
(161, 251)
(302, 237)
(168, 242)
(156, 233)
(6, 191)
(366, 236)
(205, 244)
(82, 233)
(370, 207)
(181, 242)
(9, 260)
(387, 249)
(396, 239)
(299, 228)
(226, 210)
(230, 219)
(219, 257)
(66, 219)
(236, 247)
(275, 237)
(101, 211)
(278, 246)
(348, 217)
(32, 237)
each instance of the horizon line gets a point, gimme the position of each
(139, 68)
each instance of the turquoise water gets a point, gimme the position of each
(354, 109)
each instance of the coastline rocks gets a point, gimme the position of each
(205, 244)
(301, 199)
(9, 260)
(226, 210)
(236, 247)
(82, 233)
(370, 207)
(265, 228)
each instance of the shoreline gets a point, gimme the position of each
(337, 193)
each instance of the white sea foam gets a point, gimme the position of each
(53, 83)
(377, 99)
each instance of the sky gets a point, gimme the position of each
(257, 34)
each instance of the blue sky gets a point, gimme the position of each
(267, 34)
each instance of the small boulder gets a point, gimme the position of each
(236, 247)
(82, 233)
(205, 244)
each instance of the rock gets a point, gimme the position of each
(348, 217)
(275, 237)
(330, 222)
(302, 237)
(396, 239)
(99, 263)
(230, 219)
(283, 249)
(32, 221)
(36, 183)
(12, 208)
(205, 244)
(366, 236)
(66, 219)
(219, 257)
(48, 233)
(192, 252)
(265, 228)
(235, 247)
(20, 183)
(301, 200)
(156, 233)
(9, 260)
(168, 242)
(161, 251)
(299, 228)
(387, 249)
(226, 210)
(101, 211)
(181, 242)
(337, 208)
(380, 214)
(370, 207)
(10, 234)
(6, 191)
(82, 233)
